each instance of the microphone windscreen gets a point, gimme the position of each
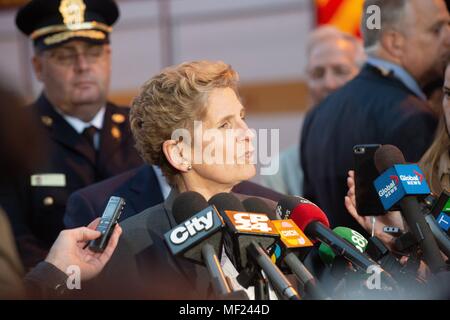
(306, 213)
(187, 204)
(287, 204)
(355, 238)
(387, 156)
(256, 205)
(226, 201)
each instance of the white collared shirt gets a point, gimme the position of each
(164, 186)
(230, 271)
(79, 125)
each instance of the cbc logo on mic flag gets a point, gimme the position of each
(291, 235)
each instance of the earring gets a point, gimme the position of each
(189, 166)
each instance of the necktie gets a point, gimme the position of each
(88, 134)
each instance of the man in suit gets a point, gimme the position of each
(333, 58)
(86, 138)
(141, 188)
(384, 104)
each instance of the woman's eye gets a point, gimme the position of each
(225, 125)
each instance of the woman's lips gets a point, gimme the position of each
(84, 83)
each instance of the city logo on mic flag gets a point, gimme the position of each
(291, 235)
(345, 15)
(204, 224)
(400, 181)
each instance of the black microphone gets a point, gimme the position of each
(251, 235)
(242, 228)
(198, 236)
(310, 285)
(398, 180)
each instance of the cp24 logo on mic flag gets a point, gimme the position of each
(246, 222)
(197, 228)
(399, 181)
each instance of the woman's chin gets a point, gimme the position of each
(248, 171)
(238, 173)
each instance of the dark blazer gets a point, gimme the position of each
(143, 268)
(372, 108)
(36, 212)
(140, 189)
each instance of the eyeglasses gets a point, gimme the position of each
(69, 56)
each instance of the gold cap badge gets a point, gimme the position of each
(72, 12)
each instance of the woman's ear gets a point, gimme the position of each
(175, 154)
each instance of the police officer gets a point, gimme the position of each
(86, 138)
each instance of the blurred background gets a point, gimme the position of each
(264, 40)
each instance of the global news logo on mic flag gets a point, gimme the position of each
(202, 225)
(399, 181)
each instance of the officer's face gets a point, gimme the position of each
(331, 65)
(427, 39)
(76, 76)
(446, 100)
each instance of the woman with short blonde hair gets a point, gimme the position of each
(194, 91)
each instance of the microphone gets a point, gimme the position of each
(291, 238)
(277, 278)
(254, 233)
(313, 221)
(373, 247)
(353, 237)
(198, 236)
(243, 227)
(439, 210)
(403, 184)
(257, 205)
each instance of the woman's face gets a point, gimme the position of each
(222, 148)
(446, 101)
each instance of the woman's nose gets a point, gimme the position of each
(245, 133)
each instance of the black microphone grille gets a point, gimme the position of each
(226, 201)
(187, 204)
(256, 205)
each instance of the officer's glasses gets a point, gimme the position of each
(70, 56)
